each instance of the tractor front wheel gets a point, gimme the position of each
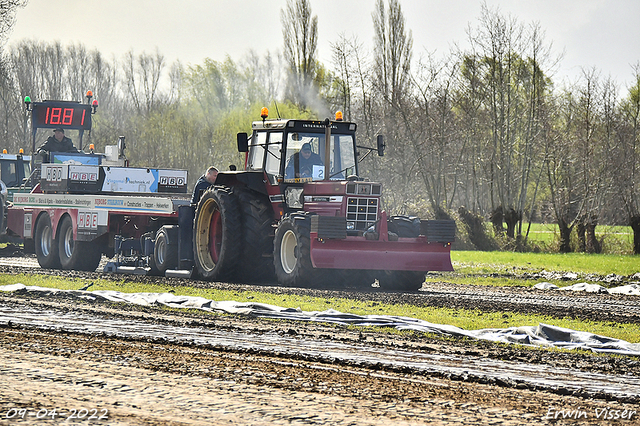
(291, 252)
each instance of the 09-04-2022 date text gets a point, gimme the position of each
(56, 413)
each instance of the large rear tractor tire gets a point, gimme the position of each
(46, 244)
(165, 255)
(401, 280)
(258, 233)
(291, 252)
(76, 255)
(217, 235)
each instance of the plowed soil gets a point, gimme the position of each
(151, 381)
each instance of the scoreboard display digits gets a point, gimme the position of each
(65, 115)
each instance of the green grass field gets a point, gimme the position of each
(480, 262)
(615, 239)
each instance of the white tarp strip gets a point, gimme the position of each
(540, 335)
(631, 289)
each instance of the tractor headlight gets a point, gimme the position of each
(293, 197)
(351, 226)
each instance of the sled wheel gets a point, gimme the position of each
(165, 255)
(46, 244)
(76, 255)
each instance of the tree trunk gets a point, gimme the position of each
(581, 230)
(441, 214)
(511, 218)
(634, 222)
(497, 217)
(593, 245)
(565, 236)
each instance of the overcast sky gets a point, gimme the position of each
(604, 34)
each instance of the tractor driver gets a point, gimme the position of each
(205, 181)
(300, 164)
(57, 143)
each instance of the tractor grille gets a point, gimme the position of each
(362, 211)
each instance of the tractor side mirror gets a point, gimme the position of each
(381, 145)
(243, 142)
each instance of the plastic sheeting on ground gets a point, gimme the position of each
(540, 335)
(630, 289)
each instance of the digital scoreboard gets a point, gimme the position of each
(68, 115)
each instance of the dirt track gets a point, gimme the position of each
(159, 381)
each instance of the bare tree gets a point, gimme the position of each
(7, 103)
(392, 51)
(55, 62)
(625, 158)
(7, 16)
(78, 71)
(342, 60)
(300, 33)
(596, 150)
(434, 132)
(265, 80)
(469, 104)
(355, 82)
(103, 78)
(576, 160)
(561, 170)
(143, 73)
(505, 71)
(391, 89)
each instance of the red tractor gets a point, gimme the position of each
(300, 211)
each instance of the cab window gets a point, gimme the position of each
(274, 152)
(256, 151)
(8, 173)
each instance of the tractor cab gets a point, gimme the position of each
(308, 164)
(15, 170)
(296, 151)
